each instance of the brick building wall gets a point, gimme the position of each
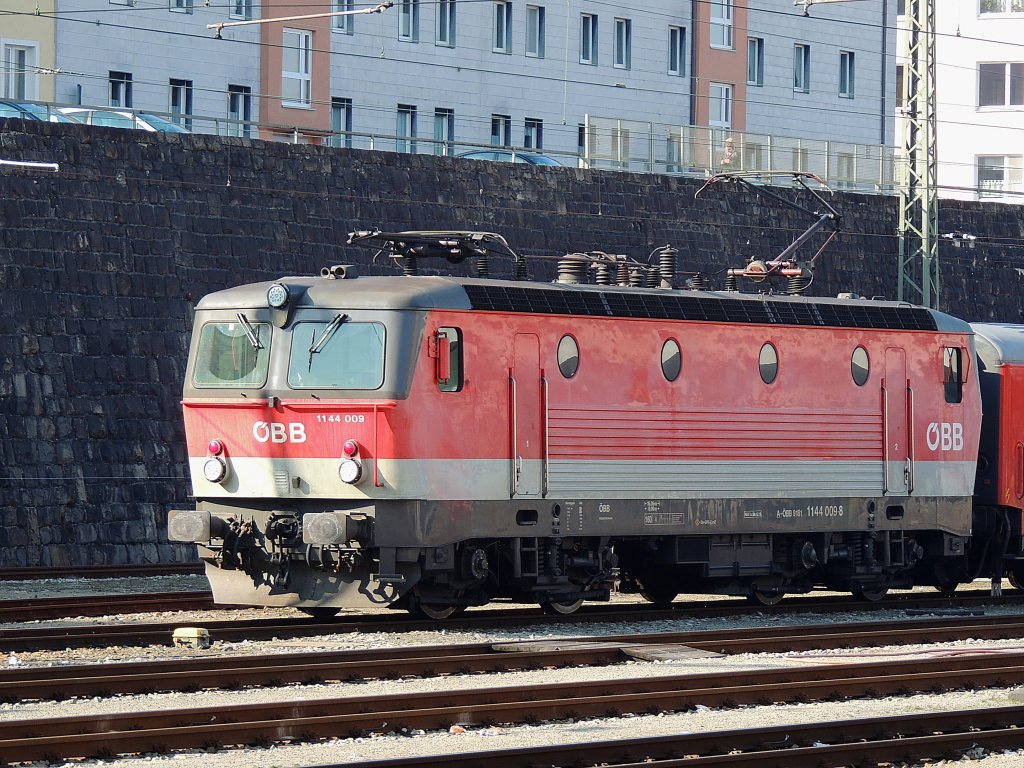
(101, 263)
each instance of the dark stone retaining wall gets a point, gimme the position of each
(101, 262)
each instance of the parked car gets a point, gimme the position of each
(28, 110)
(508, 156)
(143, 121)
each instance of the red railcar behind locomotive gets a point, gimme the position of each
(437, 442)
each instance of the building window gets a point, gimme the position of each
(1000, 84)
(588, 38)
(846, 74)
(21, 79)
(501, 130)
(999, 175)
(241, 9)
(405, 129)
(181, 6)
(181, 102)
(721, 23)
(120, 89)
(755, 61)
(341, 122)
(533, 137)
(444, 131)
(297, 68)
(239, 110)
(446, 22)
(623, 43)
(502, 37)
(677, 51)
(409, 20)
(802, 68)
(1001, 6)
(535, 31)
(901, 7)
(900, 101)
(720, 105)
(344, 24)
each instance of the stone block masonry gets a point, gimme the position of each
(101, 263)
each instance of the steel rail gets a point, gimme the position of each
(35, 682)
(35, 609)
(64, 738)
(135, 634)
(867, 741)
(26, 573)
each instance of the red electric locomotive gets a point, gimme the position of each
(437, 442)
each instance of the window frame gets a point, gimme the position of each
(409, 21)
(801, 68)
(445, 27)
(341, 122)
(623, 52)
(303, 75)
(180, 91)
(725, 98)
(405, 135)
(676, 369)
(562, 360)
(677, 50)
(953, 374)
(343, 25)
(533, 133)
(258, 328)
(535, 31)
(241, 9)
(755, 61)
(501, 27)
(847, 74)
(444, 131)
(240, 118)
(768, 363)
(457, 365)
(1011, 82)
(502, 137)
(588, 39)
(21, 80)
(722, 23)
(122, 83)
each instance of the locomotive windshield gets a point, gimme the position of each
(337, 354)
(232, 355)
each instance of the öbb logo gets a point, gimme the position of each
(275, 432)
(945, 436)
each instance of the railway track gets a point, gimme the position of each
(157, 633)
(57, 739)
(26, 573)
(863, 742)
(38, 609)
(231, 672)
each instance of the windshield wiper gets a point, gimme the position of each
(325, 336)
(250, 332)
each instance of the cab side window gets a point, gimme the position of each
(952, 374)
(449, 359)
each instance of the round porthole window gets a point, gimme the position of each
(671, 360)
(768, 362)
(859, 366)
(568, 356)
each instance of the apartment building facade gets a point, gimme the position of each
(27, 50)
(441, 75)
(980, 99)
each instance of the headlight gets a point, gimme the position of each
(215, 469)
(277, 295)
(350, 471)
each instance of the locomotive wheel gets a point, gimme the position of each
(436, 612)
(555, 608)
(765, 598)
(321, 614)
(659, 595)
(871, 595)
(1016, 577)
